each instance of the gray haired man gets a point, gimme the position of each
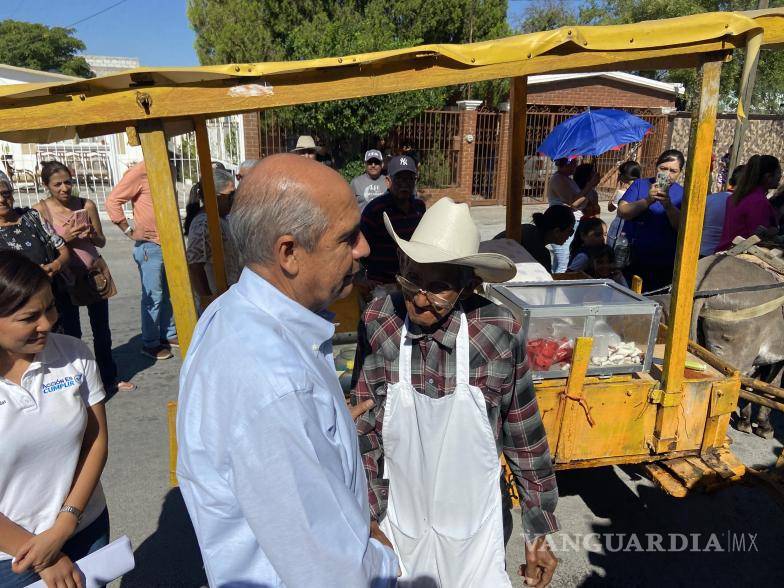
(269, 463)
(245, 167)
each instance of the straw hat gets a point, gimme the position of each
(447, 234)
(304, 142)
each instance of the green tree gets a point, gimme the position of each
(769, 87)
(546, 16)
(37, 46)
(304, 29)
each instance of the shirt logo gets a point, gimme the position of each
(62, 384)
(2, 402)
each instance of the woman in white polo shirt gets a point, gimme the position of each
(54, 439)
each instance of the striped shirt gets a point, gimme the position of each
(382, 263)
(497, 366)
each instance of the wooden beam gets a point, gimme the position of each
(516, 162)
(210, 202)
(167, 219)
(83, 110)
(689, 235)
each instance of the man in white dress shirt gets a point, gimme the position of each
(268, 462)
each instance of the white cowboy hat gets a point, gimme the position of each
(304, 142)
(447, 234)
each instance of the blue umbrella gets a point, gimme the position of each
(593, 132)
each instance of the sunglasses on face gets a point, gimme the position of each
(373, 162)
(439, 303)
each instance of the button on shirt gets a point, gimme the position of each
(42, 424)
(497, 366)
(268, 462)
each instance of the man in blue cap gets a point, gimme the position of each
(371, 184)
(404, 210)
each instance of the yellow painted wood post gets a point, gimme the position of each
(167, 219)
(573, 405)
(210, 202)
(689, 236)
(171, 418)
(636, 284)
(516, 168)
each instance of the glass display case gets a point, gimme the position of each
(623, 324)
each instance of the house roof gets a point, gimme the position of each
(624, 77)
(10, 74)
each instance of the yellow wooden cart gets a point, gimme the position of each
(672, 418)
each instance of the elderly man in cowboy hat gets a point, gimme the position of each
(447, 373)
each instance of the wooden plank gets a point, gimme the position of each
(167, 219)
(636, 284)
(665, 480)
(689, 235)
(515, 167)
(575, 406)
(740, 245)
(171, 419)
(210, 203)
(81, 110)
(579, 464)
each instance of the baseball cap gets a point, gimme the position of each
(373, 154)
(401, 163)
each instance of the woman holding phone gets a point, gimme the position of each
(651, 209)
(77, 221)
(54, 437)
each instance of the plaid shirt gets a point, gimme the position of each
(498, 367)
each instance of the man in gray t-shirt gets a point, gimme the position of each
(370, 184)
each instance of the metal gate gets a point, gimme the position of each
(541, 120)
(436, 135)
(486, 179)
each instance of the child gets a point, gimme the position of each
(591, 233)
(601, 264)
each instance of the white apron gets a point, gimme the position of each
(444, 514)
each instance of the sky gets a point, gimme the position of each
(155, 31)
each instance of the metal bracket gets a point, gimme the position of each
(659, 396)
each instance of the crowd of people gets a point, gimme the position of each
(571, 237)
(286, 484)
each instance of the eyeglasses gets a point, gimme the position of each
(373, 162)
(410, 289)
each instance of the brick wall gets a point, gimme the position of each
(598, 91)
(251, 135)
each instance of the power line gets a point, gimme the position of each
(94, 15)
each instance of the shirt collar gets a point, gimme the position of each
(445, 335)
(312, 329)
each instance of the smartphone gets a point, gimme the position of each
(80, 218)
(662, 181)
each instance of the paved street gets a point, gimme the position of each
(611, 502)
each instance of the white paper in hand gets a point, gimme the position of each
(104, 565)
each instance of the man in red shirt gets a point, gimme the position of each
(159, 334)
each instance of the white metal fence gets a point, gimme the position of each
(98, 164)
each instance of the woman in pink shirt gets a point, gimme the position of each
(83, 234)
(748, 210)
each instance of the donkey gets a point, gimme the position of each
(753, 345)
